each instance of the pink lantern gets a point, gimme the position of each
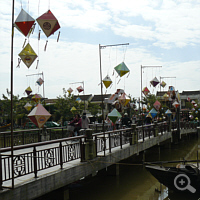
(39, 115)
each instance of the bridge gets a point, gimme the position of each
(41, 167)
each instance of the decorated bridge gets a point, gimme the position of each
(41, 167)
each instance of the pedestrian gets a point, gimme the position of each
(126, 121)
(77, 124)
(85, 121)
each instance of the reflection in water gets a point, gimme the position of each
(134, 181)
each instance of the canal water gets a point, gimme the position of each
(134, 181)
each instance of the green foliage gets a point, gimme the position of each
(64, 104)
(94, 109)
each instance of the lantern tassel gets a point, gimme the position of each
(37, 64)
(128, 75)
(19, 60)
(24, 43)
(58, 36)
(45, 46)
(39, 35)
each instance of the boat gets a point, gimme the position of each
(183, 178)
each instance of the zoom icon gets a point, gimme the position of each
(182, 182)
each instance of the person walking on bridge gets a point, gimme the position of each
(85, 121)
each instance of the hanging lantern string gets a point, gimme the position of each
(49, 4)
(124, 50)
(119, 81)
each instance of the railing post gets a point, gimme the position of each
(35, 161)
(143, 133)
(4, 140)
(61, 155)
(90, 145)
(198, 132)
(134, 135)
(156, 129)
(39, 136)
(109, 139)
(120, 135)
(23, 138)
(1, 181)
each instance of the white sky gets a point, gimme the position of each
(159, 33)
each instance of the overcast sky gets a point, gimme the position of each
(159, 33)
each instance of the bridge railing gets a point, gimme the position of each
(35, 157)
(39, 156)
(27, 136)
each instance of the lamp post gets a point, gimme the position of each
(103, 47)
(11, 93)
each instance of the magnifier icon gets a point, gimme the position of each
(182, 182)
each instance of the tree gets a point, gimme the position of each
(64, 104)
(94, 109)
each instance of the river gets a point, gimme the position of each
(134, 181)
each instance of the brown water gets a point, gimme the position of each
(134, 181)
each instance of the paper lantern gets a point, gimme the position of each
(48, 23)
(145, 91)
(163, 84)
(36, 98)
(166, 96)
(39, 115)
(114, 115)
(28, 55)
(176, 104)
(154, 82)
(28, 106)
(39, 81)
(73, 109)
(78, 99)
(70, 90)
(24, 22)
(28, 90)
(122, 69)
(157, 105)
(153, 112)
(107, 81)
(168, 113)
(123, 99)
(80, 89)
